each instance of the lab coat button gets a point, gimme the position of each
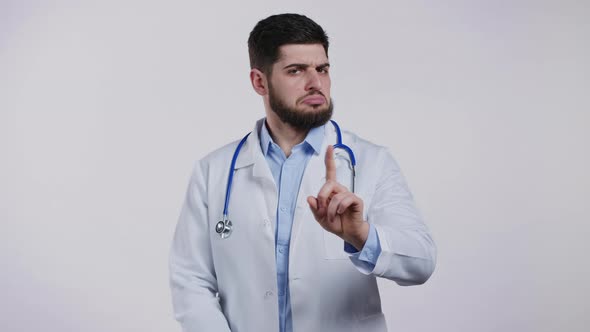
(268, 294)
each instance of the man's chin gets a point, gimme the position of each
(302, 116)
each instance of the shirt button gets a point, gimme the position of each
(281, 250)
(284, 209)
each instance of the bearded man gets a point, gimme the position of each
(308, 230)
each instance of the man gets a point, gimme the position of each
(304, 250)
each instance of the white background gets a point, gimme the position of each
(105, 105)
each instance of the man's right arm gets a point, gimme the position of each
(192, 276)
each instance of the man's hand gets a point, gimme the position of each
(338, 210)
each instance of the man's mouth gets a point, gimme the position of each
(314, 100)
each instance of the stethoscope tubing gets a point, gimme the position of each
(231, 174)
(224, 227)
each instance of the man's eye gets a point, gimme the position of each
(293, 71)
(323, 70)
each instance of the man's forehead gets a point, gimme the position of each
(302, 53)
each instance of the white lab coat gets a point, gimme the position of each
(231, 284)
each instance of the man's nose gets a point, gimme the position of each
(313, 81)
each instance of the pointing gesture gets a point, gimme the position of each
(338, 210)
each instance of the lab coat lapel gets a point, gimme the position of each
(252, 155)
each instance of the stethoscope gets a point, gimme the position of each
(224, 227)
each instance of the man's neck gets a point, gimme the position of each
(284, 135)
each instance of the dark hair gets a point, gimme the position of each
(277, 30)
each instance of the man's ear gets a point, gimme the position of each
(259, 81)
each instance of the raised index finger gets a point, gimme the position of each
(330, 164)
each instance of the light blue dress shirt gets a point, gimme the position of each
(287, 174)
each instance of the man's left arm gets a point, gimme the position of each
(399, 246)
(393, 241)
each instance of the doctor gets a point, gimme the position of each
(306, 236)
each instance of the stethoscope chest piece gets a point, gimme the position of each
(223, 228)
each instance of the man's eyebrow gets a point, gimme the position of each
(304, 65)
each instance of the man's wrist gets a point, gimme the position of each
(359, 239)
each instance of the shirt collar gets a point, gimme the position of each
(314, 138)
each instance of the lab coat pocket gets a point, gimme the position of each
(333, 247)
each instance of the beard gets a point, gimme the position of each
(299, 119)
